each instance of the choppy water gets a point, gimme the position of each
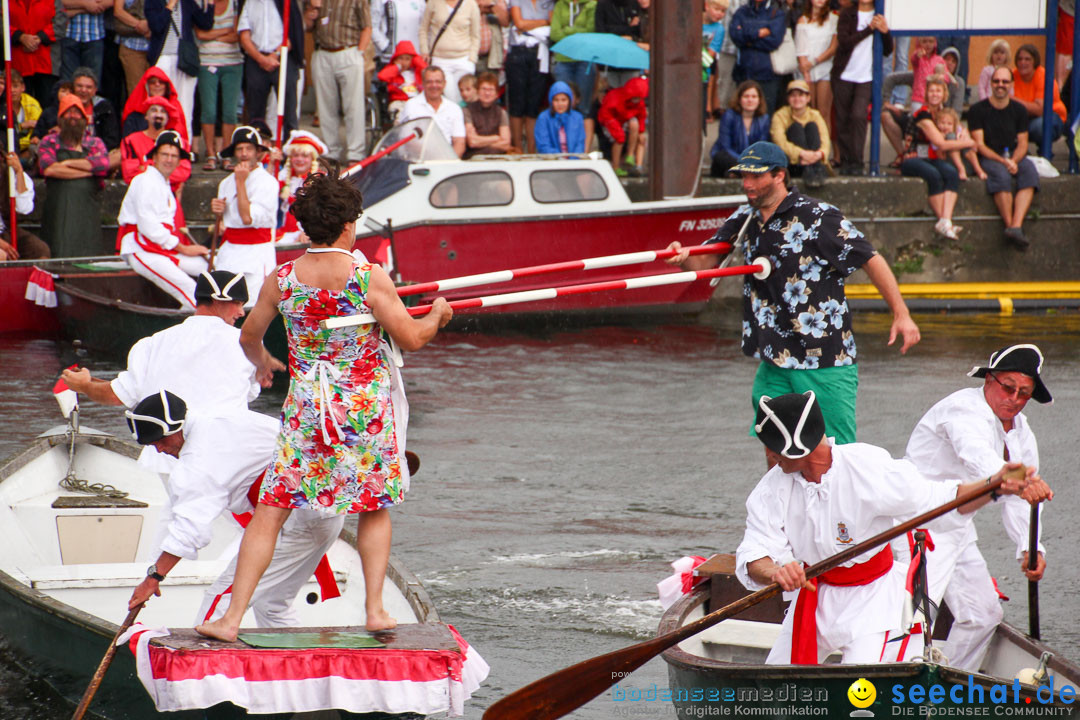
(564, 469)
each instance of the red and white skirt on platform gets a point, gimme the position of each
(281, 681)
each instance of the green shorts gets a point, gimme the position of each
(834, 387)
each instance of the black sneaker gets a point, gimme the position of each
(1016, 237)
(814, 176)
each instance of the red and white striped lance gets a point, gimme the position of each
(760, 269)
(595, 263)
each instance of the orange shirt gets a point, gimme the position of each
(1033, 91)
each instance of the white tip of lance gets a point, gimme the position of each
(766, 268)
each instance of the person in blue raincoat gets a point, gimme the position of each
(757, 28)
(560, 128)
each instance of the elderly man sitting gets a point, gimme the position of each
(431, 103)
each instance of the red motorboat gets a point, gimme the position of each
(430, 216)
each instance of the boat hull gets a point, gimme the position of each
(702, 684)
(21, 315)
(429, 251)
(110, 311)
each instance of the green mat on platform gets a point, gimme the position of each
(329, 639)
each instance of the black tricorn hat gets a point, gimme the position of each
(791, 425)
(1026, 359)
(169, 137)
(156, 416)
(221, 285)
(244, 134)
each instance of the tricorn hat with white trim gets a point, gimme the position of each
(791, 425)
(1025, 359)
(156, 416)
(221, 285)
(243, 134)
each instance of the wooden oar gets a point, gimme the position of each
(45, 262)
(1033, 562)
(99, 675)
(214, 236)
(568, 689)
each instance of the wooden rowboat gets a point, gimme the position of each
(71, 561)
(108, 308)
(721, 671)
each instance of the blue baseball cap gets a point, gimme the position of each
(761, 157)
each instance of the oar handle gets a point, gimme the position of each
(99, 674)
(1033, 562)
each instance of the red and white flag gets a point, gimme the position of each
(683, 581)
(40, 289)
(383, 680)
(68, 398)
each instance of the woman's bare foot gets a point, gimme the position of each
(218, 630)
(380, 620)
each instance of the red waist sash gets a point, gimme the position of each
(804, 631)
(248, 236)
(150, 247)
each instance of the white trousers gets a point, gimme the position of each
(255, 261)
(455, 69)
(184, 84)
(960, 576)
(339, 90)
(304, 539)
(868, 648)
(177, 280)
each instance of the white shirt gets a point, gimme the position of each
(262, 192)
(387, 32)
(449, 117)
(961, 438)
(24, 203)
(149, 203)
(864, 492)
(262, 20)
(223, 454)
(200, 361)
(860, 66)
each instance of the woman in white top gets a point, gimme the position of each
(457, 49)
(815, 45)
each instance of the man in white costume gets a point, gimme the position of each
(971, 434)
(431, 103)
(200, 359)
(147, 239)
(817, 500)
(248, 202)
(221, 461)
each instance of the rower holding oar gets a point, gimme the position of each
(342, 442)
(821, 497)
(796, 320)
(968, 435)
(200, 359)
(221, 459)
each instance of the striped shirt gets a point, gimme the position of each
(214, 53)
(340, 23)
(86, 27)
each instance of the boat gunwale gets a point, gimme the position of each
(65, 286)
(673, 618)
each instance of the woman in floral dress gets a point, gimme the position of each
(341, 448)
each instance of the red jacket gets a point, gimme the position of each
(32, 17)
(391, 74)
(616, 109)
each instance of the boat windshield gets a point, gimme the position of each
(431, 145)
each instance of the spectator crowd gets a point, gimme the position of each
(95, 83)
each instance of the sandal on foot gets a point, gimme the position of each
(211, 163)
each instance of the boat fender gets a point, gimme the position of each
(766, 268)
(1036, 676)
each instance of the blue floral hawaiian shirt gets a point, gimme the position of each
(798, 317)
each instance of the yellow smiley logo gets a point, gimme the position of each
(862, 693)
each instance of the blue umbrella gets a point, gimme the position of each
(603, 48)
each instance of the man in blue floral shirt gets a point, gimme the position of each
(797, 320)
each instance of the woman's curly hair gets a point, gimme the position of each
(323, 206)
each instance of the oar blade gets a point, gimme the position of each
(568, 689)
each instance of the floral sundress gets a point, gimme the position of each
(338, 450)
